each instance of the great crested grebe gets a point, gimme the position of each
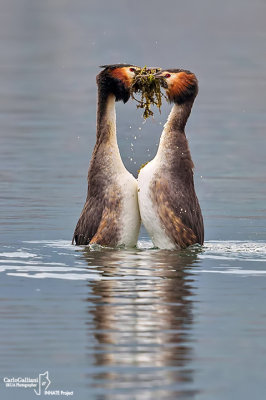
(110, 215)
(168, 204)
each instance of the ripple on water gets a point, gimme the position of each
(235, 257)
(33, 260)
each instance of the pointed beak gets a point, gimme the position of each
(162, 80)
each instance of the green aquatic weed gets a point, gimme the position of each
(148, 86)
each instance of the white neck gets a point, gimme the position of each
(106, 132)
(110, 119)
(164, 142)
(173, 130)
(174, 118)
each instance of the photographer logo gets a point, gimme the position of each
(39, 384)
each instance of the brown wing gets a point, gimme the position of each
(179, 211)
(98, 222)
(88, 222)
(108, 230)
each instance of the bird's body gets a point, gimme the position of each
(110, 215)
(168, 203)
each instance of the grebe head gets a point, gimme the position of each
(181, 85)
(116, 79)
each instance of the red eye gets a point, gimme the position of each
(167, 75)
(132, 69)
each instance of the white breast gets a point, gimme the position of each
(148, 211)
(130, 216)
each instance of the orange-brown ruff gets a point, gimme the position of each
(110, 216)
(122, 75)
(182, 87)
(168, 203)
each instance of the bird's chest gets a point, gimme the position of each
(148, 209)
(130, 217)
(146, 177)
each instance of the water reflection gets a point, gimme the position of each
(140, 318)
